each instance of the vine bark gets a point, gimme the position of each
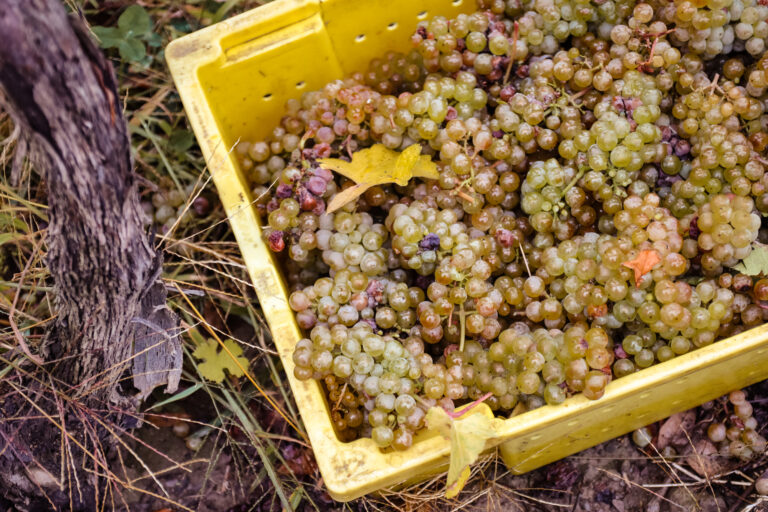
(62, 92)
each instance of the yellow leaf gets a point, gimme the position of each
(756, 262)
(453, 490)
(215, 361)
(378, 165)
(468, 435)
(346, 196)
(405, 162)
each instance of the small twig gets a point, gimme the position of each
(341, 395)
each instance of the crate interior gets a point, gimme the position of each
(307, 47)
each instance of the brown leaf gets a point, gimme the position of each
(298, 461)
(705, 459)
(675, 428)
(643, 263)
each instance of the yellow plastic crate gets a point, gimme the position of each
(234, 78)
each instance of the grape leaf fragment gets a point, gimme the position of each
(230, 358)
(378, 165)
(643, 263)
(756, 263)
(468, 432)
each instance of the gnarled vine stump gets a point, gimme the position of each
(62, 93)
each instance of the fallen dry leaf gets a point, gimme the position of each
(378, 165)
(675, 428)
(705, 459)
(643, 263)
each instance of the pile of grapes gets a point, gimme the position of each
(167, 207)
(738, 435)
(602, 169)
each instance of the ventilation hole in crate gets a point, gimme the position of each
(267, 96)
(421, 15)
(360, 38)
(392, 26)
(300, 85)
(458, 2)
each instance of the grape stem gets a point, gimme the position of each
(648, 63)
(462, 316)
(456, 415)
(570, 185)
(346, 145)
(515, 35)
(573, 97)
(465, 196)
(525, 260)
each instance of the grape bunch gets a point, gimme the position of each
(730, 426)
(379, 377)
(167, 207)
(601, 171)
(737, 435)
(727, 227)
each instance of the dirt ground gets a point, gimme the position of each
(615, 476)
